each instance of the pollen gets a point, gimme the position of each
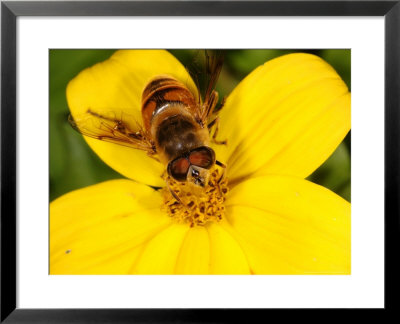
(195, 205)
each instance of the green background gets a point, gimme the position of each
(72, 163)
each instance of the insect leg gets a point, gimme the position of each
(222, 104)
(218, 184)
(219, 163)
(214, 140)
(223, 166)
(211, 124)
(175, 195)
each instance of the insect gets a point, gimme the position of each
(175, 129)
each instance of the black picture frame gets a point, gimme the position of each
(10, 10)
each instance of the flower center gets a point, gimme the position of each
(195, 205)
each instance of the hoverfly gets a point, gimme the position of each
(175, 128)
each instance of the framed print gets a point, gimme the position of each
(192, 160)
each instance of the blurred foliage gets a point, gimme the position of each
(74, 165)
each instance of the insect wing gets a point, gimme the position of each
(214, 62)
(213, 65)
(205, 70)
(106, 127)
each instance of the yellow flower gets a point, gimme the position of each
(281, 122)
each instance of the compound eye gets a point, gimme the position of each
(203, 157)
(178, 169)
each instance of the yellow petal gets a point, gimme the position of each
(101, 229)
(194, 255)
(180, 249)
(114, 88)
(227, 256)
(286, 117)
(161, 253)
(288, 225)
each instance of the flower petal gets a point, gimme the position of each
(227, 257)
(180, 249)
(194, 255)
(101, 229)
(161, 253)
(114, 87)
(286, 117)
(290, 226)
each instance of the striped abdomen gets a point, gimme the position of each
(169, 114)
(163, 93)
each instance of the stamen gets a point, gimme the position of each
(198, 205)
